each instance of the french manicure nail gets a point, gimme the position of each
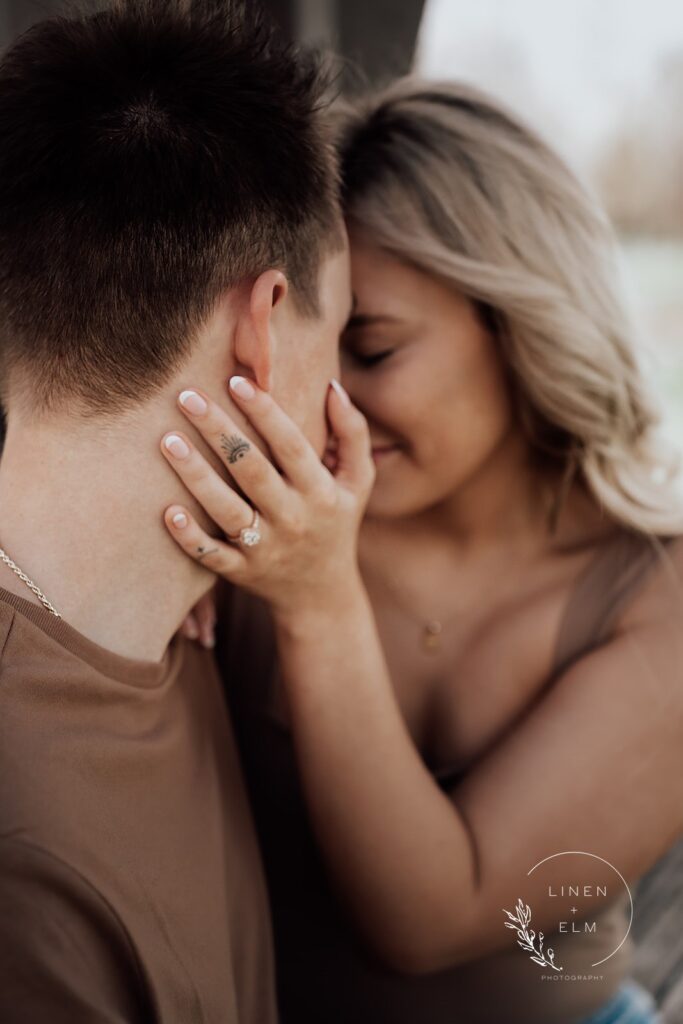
(180, 520)
(193, 402)
(242, 387)
(340, 391)
(176, 446)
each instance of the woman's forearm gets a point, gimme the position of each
(394, 842)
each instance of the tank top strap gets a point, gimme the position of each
(601, 591)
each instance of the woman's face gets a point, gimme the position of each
(425, 371)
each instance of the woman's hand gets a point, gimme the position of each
(308, 516)
(200, 624)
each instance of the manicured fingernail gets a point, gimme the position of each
(193, 402)
(208, 640)
(180, 520)
(340, 391)
(176, 446)
(242, 387)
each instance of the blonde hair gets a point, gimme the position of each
(444, 178)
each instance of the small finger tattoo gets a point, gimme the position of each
(234, 447)
(203, 552)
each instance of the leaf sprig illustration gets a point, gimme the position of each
(526, 936)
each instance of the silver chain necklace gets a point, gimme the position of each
(29, 583)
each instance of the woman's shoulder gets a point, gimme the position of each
(632, 577)
(654, 591)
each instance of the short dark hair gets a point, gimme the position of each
(152, 154)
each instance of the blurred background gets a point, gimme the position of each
(603, 82)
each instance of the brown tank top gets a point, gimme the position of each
(325, 974)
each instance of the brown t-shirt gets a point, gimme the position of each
(131, 885)
(326, 974)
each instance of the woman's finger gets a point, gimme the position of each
(255, 475)
(190, 627)
(205, 612)
(224, 559)
(227, 509)
(354, 466)
(291, 450)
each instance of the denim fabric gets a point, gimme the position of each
(631, 1004)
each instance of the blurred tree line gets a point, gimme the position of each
(640, 171)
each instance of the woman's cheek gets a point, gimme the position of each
(397, 404)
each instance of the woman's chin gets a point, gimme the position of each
(403, 489)
(391, 498)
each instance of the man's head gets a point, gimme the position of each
(154, 156)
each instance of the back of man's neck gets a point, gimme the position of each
(84, 522)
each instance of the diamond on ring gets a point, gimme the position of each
(250, 536)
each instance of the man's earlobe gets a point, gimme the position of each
(256, 335)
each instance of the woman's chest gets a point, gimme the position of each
(460, 693)
(496, 653)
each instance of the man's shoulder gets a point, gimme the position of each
(25, 864)
(62, 946)
(34, 666)
(21, 637)
(7, 614)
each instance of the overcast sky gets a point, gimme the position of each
(574, 65)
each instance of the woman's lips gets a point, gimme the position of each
(379, 453)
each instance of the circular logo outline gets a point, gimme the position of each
(618, 872)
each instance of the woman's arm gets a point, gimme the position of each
(595, 766)
(393, 840)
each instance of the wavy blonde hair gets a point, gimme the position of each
(446, 179)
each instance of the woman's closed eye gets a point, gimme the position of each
(370, 358)
(364, 340)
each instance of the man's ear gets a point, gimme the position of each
(255, 335)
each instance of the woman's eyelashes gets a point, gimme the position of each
(371, 358)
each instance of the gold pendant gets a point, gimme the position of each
(431, 636)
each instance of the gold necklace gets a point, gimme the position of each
(29, 583)
(431, 635)
(431, 630)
